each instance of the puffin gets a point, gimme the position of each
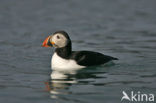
(64, 58)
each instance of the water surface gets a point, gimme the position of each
(125, 29)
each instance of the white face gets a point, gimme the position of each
(59, 40)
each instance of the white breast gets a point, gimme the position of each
(58, 63)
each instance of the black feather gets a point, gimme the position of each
(90, 58)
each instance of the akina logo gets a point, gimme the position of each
(137, 96)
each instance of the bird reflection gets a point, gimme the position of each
(61, 81)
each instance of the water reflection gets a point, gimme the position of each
(61, 81)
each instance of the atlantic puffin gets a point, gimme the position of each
(64, 58)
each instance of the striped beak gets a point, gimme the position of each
(47, 43)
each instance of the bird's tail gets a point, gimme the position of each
(115, 58)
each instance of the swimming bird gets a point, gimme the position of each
(64, 58)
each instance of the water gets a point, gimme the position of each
(125, 29)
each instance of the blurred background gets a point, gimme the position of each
(125, 29)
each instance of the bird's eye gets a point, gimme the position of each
(58, 37)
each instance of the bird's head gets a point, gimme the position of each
(58, 39)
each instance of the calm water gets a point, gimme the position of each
(121, 28)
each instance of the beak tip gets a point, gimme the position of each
(43, 45)
(45, 42)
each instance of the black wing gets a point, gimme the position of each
(89, 58)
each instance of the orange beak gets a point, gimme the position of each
(47, 43)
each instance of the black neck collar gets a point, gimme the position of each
(64, 52)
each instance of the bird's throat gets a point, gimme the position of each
(64, 52)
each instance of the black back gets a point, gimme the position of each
(89, 58)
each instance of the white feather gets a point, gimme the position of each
(58, 63)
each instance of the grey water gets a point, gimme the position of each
(125, 29)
